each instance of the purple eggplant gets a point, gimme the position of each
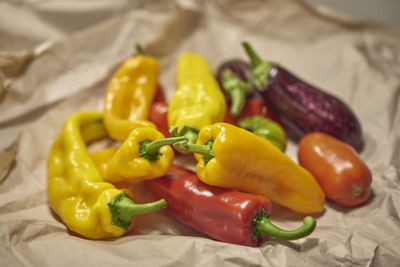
(301, 107)
(234, 78)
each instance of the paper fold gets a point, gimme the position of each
(358, 62)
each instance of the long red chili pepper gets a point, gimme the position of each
(223, 214)
(158, 115)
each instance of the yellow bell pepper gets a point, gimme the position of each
(198, 100)
(231, 157)
(86, 204)
(129, 96)
(144, 155)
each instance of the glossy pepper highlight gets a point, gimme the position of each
(86, 204)
(144, 155)
(336, 166)
(129, 95)
(198, 100)
(231, 157)
(223, 214)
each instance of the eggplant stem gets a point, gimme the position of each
(255, 59)
(237, 89)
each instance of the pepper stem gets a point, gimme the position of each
(153, 147)
(150, 150)
(237, 89)
(263, 226)
(204, 150)
(189, 133)
(123, 209)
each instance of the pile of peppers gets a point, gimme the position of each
(236, 137)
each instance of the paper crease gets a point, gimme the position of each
(57, 73)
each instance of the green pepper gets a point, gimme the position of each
(266, 128)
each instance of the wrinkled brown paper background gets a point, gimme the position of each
(62, 63)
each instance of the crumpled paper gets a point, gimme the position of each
(64, 63)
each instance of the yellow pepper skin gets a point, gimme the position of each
(242, 160)
(198, 100)
(126, 164)
(129, 96)
(75, 189)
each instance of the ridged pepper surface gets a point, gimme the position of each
(129, 96)
(198, 100)
(144, 155)
(85, 203)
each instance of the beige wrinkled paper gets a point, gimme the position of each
(62, 62)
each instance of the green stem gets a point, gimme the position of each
(237, 89)
(191, 134)
(150, 150)
(261, 68)
(238, 98)
(153, 147)
(139, 49)
(263, 226)
(255, 59)
(204, 150)
(123, 209)
(356, 191)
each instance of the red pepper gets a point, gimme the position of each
(223, 214)
(159, 95)
(158, 115)
(253, 106)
